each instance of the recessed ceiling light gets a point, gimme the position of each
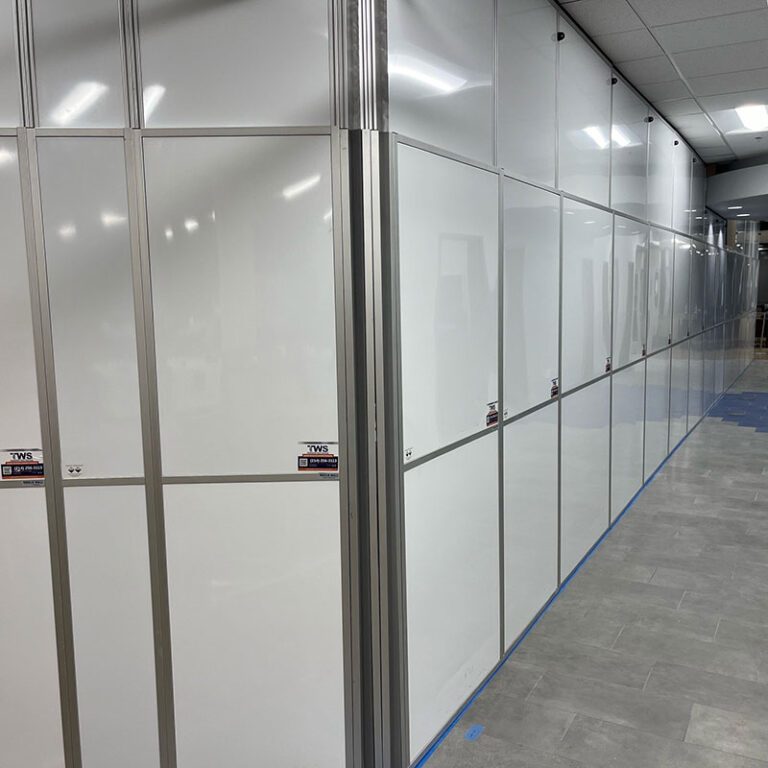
(735, 207)
(742, 215)
(754, 117)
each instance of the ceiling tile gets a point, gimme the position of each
(732, 100)
(710, 33)
(624, 46)
(659, 91)
(657, 12)
(604, 16)
(724, 58)
(728, 83)
(655, 70)
(676, 107)
(696, 127)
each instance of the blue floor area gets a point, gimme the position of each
(747, 409)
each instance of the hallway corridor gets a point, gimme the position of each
(656, 654)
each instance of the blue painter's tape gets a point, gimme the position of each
(474, 733)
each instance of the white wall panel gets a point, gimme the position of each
(661, 159)
(10, 112)
(530, 517)
(708, 344)
(681, 205)
(661, 259)
(630, 290)
(657, 410)
(696, 381)
(88, 253)
(698, 287)
(584, 471)
(711, 287)
(452, 589)
(112, 626)
(719, 360)
(531, 295)
(527, 105)
(587, 236)
(254, 581)
(678, 404)
(628, 417)
(699, 198)
(682, 289)
(629, 139)
(448, 250)
(441, 61)
(30, 716)
(584, 119)
(241, 247)
(253, 62)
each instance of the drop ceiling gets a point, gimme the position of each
(696, 61)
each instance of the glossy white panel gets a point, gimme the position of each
(241, 239)
(719, 360)
(661, 256)
(112, 626)
(698, 287)
(587, 235)
(584, 472)
(530, 517)
(441, 61)
(678, 404)
(682, 288)
(449, 220)
(711, 286)
(452, 590)
(708, 343)
(19, 413)
(628, 417)
(30, 717)
(699, 217)
(527, 105)
(657, 410)
(10, 106)
(681, 205)
(584, 118)
(78, 63)
(630, 290)
(629, 139)
(531, 295)
(253, 62)
(661, 158)
(88, 252)
(254, 581)
(696, 382)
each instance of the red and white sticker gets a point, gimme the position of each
(22, 464)
(318, 457)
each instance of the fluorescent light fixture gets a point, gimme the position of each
(421, 72)
(735, 207)
(742, 215)
(80, 99)
(152, 96)
(67, 231)
(597, 135)
(6, 156)
(619, 137)
(754, 117)
(191, 225)
(109, 219)
(168, 234)
(300, 187)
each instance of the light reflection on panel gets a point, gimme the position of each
(530, 517)
(681, 212)
(254, 582)
(630, 290)
(661, 257)
(656, 411)
(30, 717)
(584, 119)
(629, 139)
(448, 250)
(527, 105)
(78, 63)
(660, 172)
(531, 295)
(678, 403)
(682, 286)
(584, 471)
(587, 236)
(112, 625)
(628, 414)
(251, 62)
(241, 246)
(19, 414)
(441, 60)
(452, 590)
(88, 252)
(10, 113)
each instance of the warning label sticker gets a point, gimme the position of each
(21, 464)
(318, 457)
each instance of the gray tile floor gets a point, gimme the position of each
(656, 655)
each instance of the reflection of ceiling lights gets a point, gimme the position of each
(6, 156)
(191, 225)
(421, 72)
(735, 207)
(741, 215)
(328, 216)
(169, 234)
(300, 187)
(152, 96)
(109, 219)
(597, 135)
(68, 231)
(754, 117)
(619, 137)
(80, 99)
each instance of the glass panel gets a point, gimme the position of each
(681, 288)
(660, 272)
(530, 517)
(629, 138)
(531, 295)
(585, 470)
(657, 411)
(661, 166)
(699, 218)
(449, 221)
(587, 235)
(452, 590)
(527, 105)
(441, 62)
(254, 584)
(698, 287)
(112, 626)
(10, 106)
(252, 62)
(30, 716)
(19, 410)
(678, 405)
(708, 342)
(712, 280)
(628, 416)
(78, 63)
(584, 119)
(721, 287)
(240, 236)
(630, 290)
(696, 382)
(681, 219)
(88, 251)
